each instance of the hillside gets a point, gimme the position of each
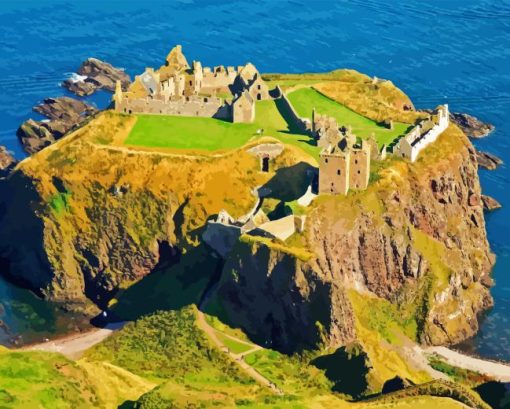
(113, 215)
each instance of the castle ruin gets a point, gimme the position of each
(423, 134)
(344, 164)
(227, 93)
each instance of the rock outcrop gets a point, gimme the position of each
(487, 160)
(415, 238)
(471, 126)
(95, 74)
(64, 114)
(7, 162)
(489, 203)
(92, 220)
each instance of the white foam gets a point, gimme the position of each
(77, 78)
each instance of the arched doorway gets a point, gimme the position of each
(265, 164)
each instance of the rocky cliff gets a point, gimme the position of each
(80, 219)
(87, 217)
(415, 238)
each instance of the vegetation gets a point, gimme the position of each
(167, 345)
(305, 100)
(465, 377)
(33, 380)
(274, 244)
(199, 134)
(292, 374)
(371, 97)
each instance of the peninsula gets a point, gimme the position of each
(266, 240)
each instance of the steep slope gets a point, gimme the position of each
(86, 219)
(416, 238)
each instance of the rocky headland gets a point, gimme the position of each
(471, 126)
(7, 162)
(63, 113)
(488, 160)
(94, 74)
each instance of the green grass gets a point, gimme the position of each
(41, 380)
(209, 134)
(293, 374)
(59, 202)
(167, 345)
(233, 345)
(305, 99)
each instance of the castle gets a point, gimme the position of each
(423, 134)
(344, 164)
(227, 93)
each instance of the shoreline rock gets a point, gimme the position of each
(471, 126)
(489, 203)
(64, 114)
(7, 162)
(487, 160)
(98, 75)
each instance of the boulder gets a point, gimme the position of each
(64, 114)
(98, 75)
(489, 203)
(471, 126)
(488, 160)
(7, 162)
(34, 136)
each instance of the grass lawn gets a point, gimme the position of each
(209, 134)
(233, 345)
(305, 99)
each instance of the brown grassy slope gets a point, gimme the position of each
(104, 209)
(376, 99)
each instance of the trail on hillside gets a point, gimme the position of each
(73, 346)
(238, 358)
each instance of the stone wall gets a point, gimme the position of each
(302, 125)
(190, 106)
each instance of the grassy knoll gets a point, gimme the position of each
(374, 98)
(33, 380)
(167, 345)
(305, 99)
(209, 134)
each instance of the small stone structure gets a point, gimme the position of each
(423, 134)
(266, 152)
(178, 89)
(344, 165)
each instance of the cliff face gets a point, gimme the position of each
(80, 220)
(416, 238)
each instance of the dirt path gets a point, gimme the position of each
(238, 358)
(496, 370)
(73, 346)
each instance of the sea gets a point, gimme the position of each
(439, 51)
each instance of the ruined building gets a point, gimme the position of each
(178, 89)
(423, 134)
(344, 164)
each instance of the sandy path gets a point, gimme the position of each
(238, 358)
(496, 370)
(73, 346)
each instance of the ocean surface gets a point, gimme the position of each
(456, 52)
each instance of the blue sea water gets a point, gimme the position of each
(438, 51)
